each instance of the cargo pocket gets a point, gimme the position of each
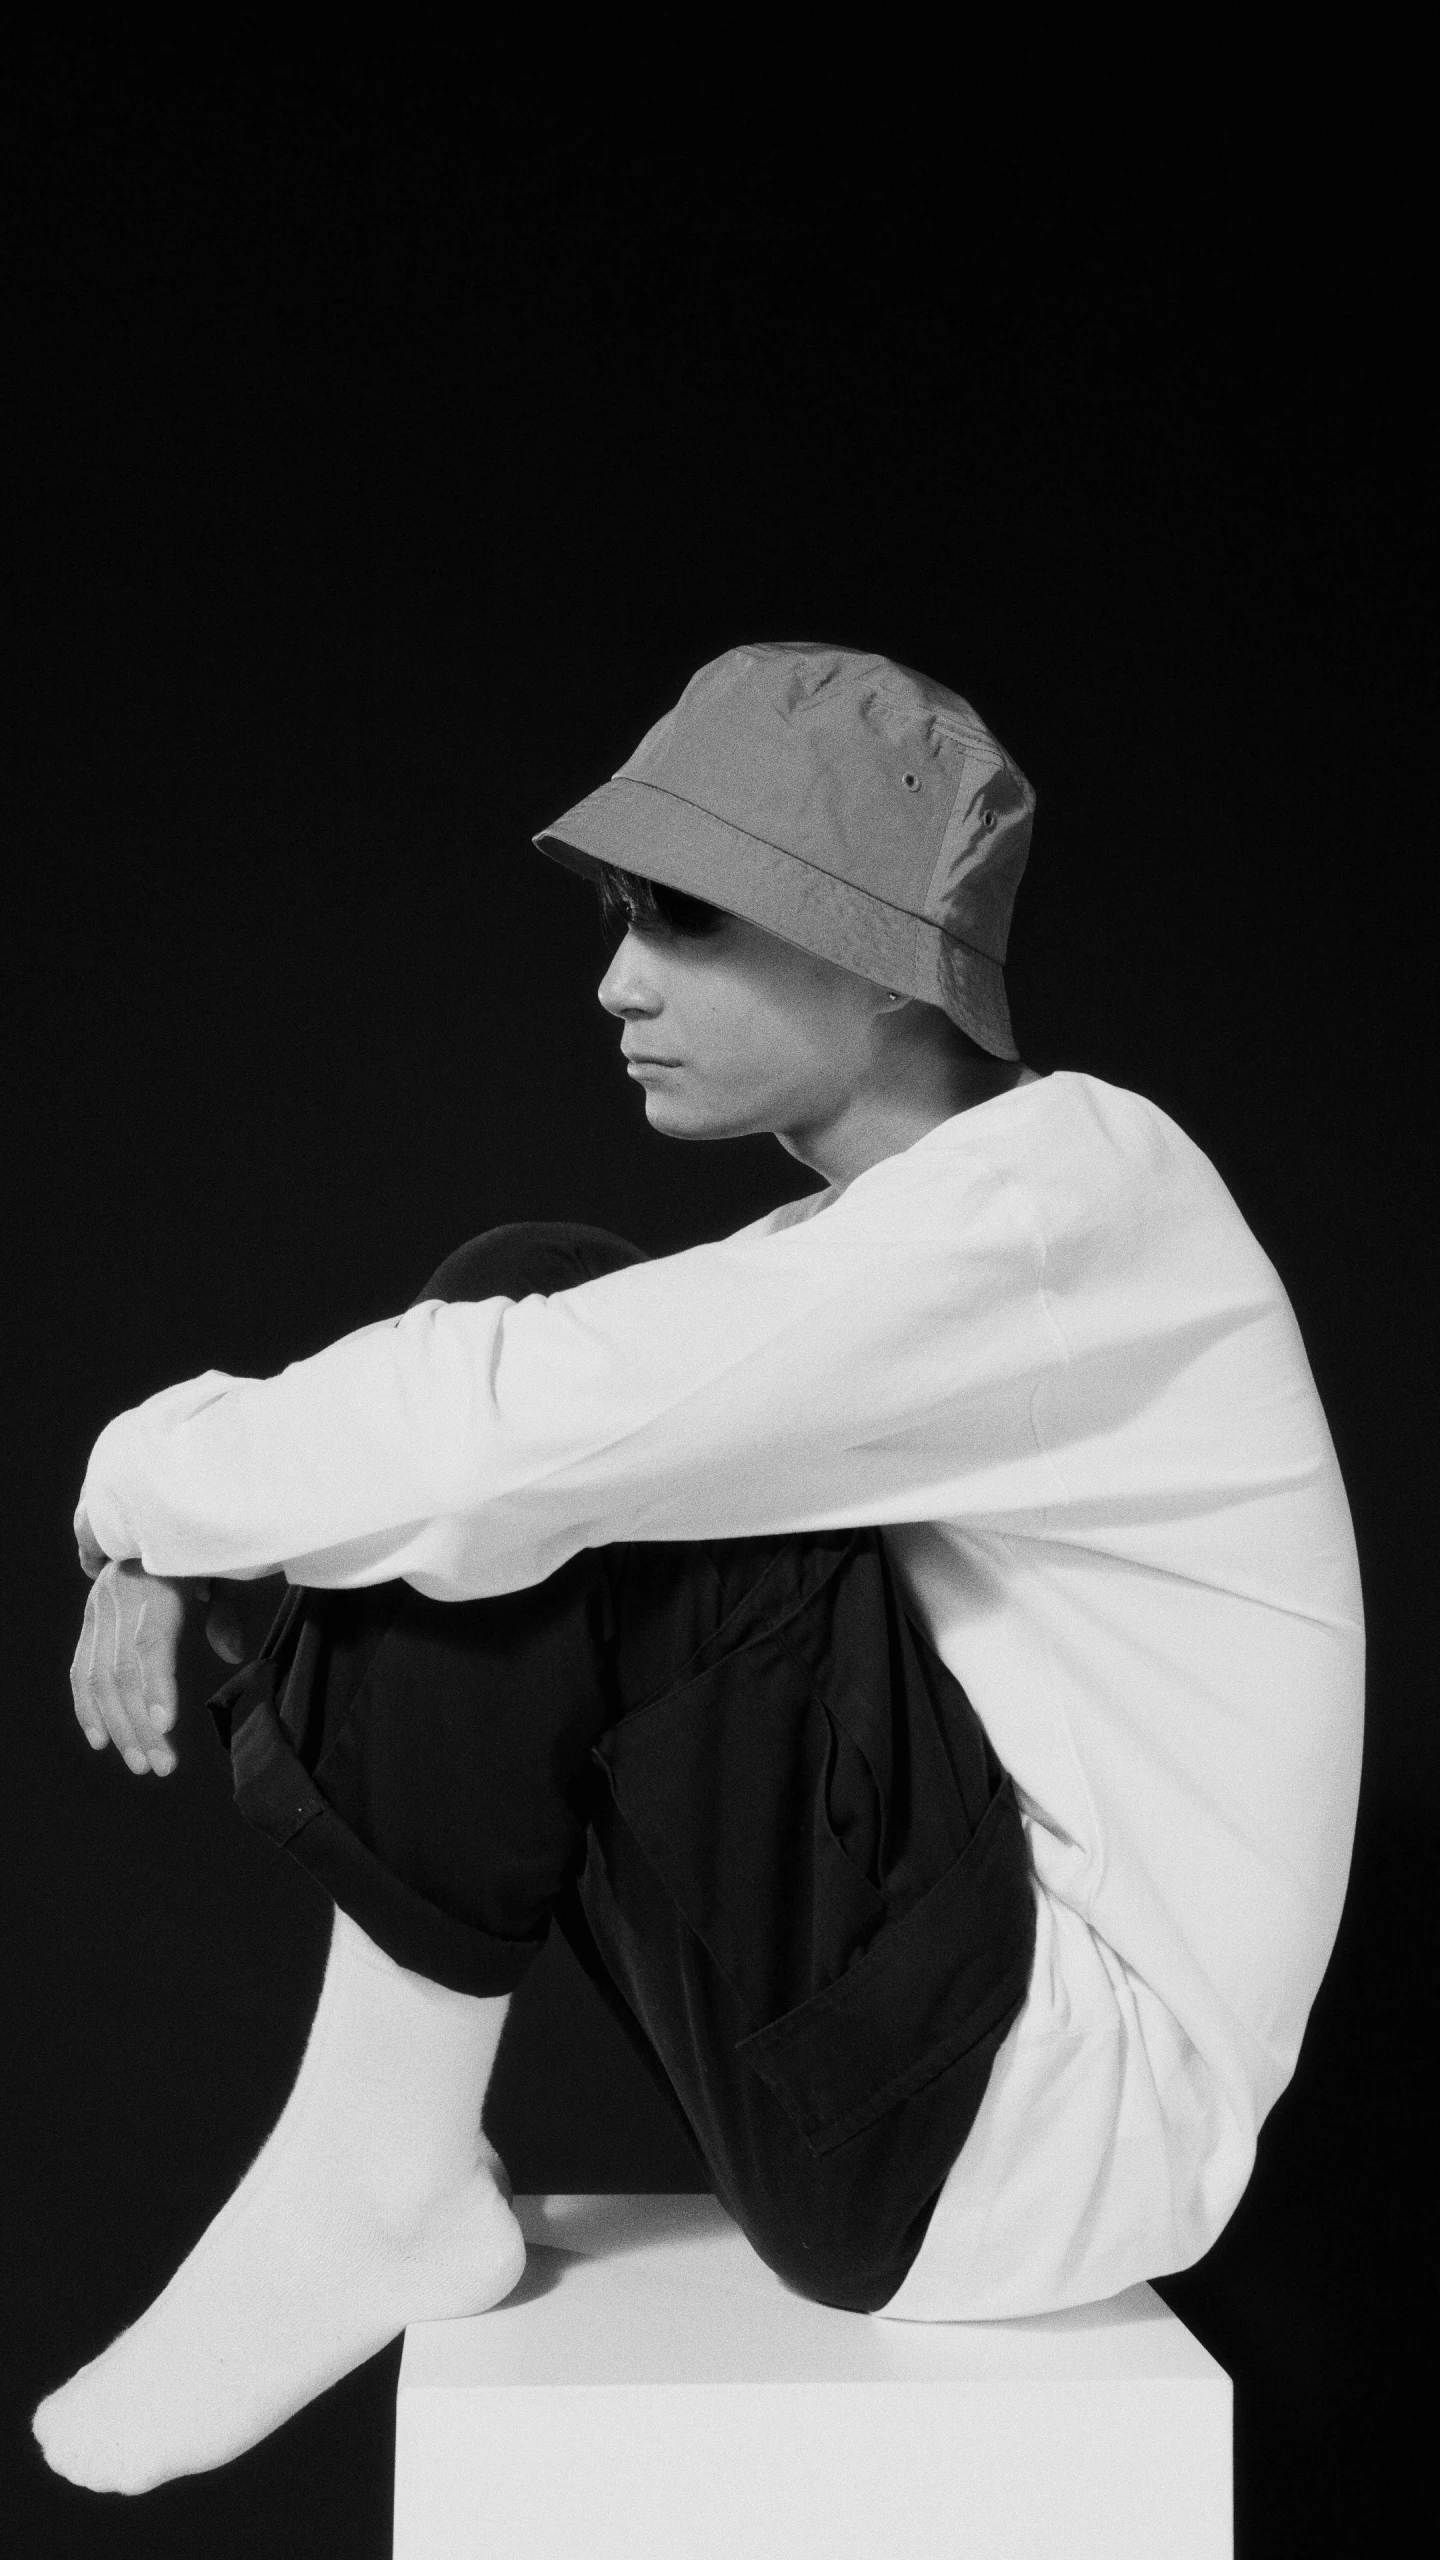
(726, 1785)
(933, 1986)
(794, 1797)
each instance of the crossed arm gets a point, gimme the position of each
(471, 1448)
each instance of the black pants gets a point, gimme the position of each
(746, 1788)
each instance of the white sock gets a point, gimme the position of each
(375, 2202)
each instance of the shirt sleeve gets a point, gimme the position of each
(874, 1362)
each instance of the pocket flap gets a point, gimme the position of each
(933, 1984)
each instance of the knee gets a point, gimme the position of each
(826, 2267)
(531, 1254)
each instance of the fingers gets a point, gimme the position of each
(82, 1682)
(103, 1701)
(123, 1675)
(121, 1682)
(154, 1644)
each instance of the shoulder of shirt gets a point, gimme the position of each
(1063, 1124)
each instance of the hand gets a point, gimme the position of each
(123, 1676)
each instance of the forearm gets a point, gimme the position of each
(246, 1478)
(756, 1387)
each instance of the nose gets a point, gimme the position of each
(625, 989)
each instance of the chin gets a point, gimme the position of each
(670, 1124)
(671, 1121)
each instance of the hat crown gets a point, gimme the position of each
(863, 767)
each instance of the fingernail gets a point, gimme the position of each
(135, 1760)
(162, 1762)
(160, 1719)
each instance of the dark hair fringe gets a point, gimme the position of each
(626, 899)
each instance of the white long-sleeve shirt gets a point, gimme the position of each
(1042, 1351)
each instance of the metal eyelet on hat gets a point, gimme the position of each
(989, 817)
(911, 781)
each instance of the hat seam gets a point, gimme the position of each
(917, 916)
(955, 825)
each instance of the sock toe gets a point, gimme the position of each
(76, 2441)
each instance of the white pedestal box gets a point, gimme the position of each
(650, 2391)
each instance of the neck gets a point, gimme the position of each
(879, 1122)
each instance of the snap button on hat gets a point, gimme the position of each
(840, 800)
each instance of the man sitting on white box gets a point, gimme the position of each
(912, 1645)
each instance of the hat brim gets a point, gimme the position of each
(638, 827)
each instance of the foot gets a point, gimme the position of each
(376, 2201)
(277, 2300)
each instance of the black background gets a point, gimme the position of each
(391, 435)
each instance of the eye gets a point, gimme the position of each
(911, 781)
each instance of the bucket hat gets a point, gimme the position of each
(839, 800)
